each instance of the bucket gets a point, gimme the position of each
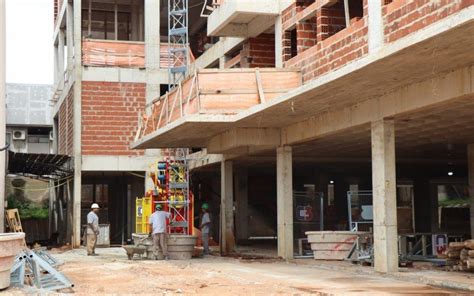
(10, 245)
(181, 247)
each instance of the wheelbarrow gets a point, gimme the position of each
(140, 248)
(133, 249)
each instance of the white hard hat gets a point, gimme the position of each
(94, 206)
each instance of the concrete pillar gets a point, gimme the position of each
(61, 56)
(77, 126)
(152, 61)
(2, 113)
(470, 163)
(241, 201)
(70, 37)
(152, 49)
(384, 196)
(227, 239)
(56, 65)
(278, 42)
(285, 202)
(376, 35)
(222, 60)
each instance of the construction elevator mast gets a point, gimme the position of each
(178, 40)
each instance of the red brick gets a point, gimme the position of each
(110, 117)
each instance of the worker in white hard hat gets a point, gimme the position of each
(92, 229)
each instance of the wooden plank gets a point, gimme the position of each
(180, 99)
(261, 94)
(242, 91)
(469, 244)
(186, 104)
(233, 62)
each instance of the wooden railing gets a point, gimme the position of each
(223, 92)
(128, 54)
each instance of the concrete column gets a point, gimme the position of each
(376, 35)
(77, 126)
(61, 56)
(278, 42)
(470, 163)
(2, 113)
(56, 65)
(227, 240)
(70, 37)
(222, 60)
(384, 196)
(152, 48)
(152, 60)
(241, 201)
(285, 202)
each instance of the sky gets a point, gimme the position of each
(29, 41)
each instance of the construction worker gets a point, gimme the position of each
(205, 227)
(158, 231)
(92, 229)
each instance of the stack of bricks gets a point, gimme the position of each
(402, 18)
(258, 52)
(110, 117)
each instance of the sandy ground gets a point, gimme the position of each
(112, 273)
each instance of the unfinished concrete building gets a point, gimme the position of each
(111, 59)
(371, 98)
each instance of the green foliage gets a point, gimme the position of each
(28, 210)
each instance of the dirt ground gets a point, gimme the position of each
(112, 273)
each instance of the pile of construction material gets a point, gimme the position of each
(460, 256)
(35, 270)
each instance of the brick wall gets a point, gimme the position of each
(110, 117)
(56, 8)
(335, 46)
(330, 21)
(65, 126)
(402, 17)
(258, 52)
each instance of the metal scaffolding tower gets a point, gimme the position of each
(178, 41)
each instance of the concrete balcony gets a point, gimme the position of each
(205, 104)
(234, 18)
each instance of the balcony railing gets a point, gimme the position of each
(208, 92)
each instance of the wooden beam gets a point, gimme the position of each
(261, 94)
(233, 62)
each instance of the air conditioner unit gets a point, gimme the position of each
(51, 136)
(19, 135)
